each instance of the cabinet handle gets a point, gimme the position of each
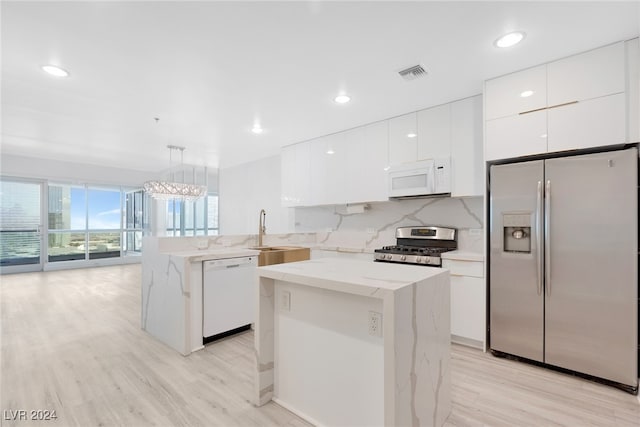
(533, 111)
(562, 105)
(548, 108)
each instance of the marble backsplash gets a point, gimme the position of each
(360, 228)
(375, 225)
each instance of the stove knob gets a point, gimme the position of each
(418, 259)
(403, 258)
(389, 256)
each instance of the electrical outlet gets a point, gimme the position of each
(475, 232)
(203, 244)
(371, 230)
(285, 301)
(375, 323)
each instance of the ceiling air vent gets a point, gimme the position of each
(413, 73)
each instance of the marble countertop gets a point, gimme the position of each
(463, 256)
(351, 276)
(208, 254)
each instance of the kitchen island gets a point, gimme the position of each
(349, 342)
(172, 294)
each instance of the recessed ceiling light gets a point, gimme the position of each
(510, 39)
(411, 135)
(526, 93)
(257, 129)
(386, 168)
(55, 71)
(330, 151)
(342, 99)
(544, 135)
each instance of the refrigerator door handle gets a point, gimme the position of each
(539, 237)
(547, 237)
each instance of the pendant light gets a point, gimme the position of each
(167, 190)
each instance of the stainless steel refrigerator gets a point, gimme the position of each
(563, 263)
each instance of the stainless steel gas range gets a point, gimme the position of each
(419, 246)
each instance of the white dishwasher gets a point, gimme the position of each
(228, 296)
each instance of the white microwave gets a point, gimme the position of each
(421, 179)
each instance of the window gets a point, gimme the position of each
(104, 210)
(67, 220)
(19, 223)
(87, 223)
(197, 218)
(136, 216)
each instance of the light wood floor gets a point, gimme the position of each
(71, 342)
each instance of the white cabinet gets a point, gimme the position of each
(345, 167)
(317, 171)
(335, 159)
(403, 139)
(468, 301)
(589, 75)
(434, 132)
(467, 167)
(576, 102)
(371, 165)
(287, 174)
(505, 96)
(516, 136)
(352, 166)
(294, 173)
(590, 123)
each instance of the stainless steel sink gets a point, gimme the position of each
(270, 255)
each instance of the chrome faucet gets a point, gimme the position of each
(262, 229)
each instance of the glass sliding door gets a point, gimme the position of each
(105, 223)
(135, 221)
(67, 222)
(20, 226)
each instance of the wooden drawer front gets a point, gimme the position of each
(464, 268)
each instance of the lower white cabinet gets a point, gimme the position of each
(468, 302)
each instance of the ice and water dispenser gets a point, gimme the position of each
(517, 232)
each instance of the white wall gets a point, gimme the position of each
(247, 188)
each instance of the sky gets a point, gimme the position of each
(104, 209)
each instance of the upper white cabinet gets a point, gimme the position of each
(403, 139)
(576, 102)
(516, 93)
(434, 132)
(352, 166)
(466, 147)
(589, 75)
(372, 176)
(295, 177)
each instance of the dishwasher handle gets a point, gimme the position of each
(225, 263)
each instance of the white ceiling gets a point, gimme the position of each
(209, 70)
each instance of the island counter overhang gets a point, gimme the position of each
(415, 303)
